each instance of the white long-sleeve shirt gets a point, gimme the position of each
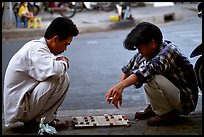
(32, 64)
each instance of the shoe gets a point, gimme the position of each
(32, 126)
(147, 113)
(56, 123)
(170, 118)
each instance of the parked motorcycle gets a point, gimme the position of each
(66, 9)
(199, 51)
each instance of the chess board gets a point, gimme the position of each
(102, 120)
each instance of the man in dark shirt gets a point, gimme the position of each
(168, 77)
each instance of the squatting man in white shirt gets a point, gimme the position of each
(36, 79)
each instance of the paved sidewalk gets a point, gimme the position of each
(95, 21)
(188, 125)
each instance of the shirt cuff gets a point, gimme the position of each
(126, 70)
(64, 64)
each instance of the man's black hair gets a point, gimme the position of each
(62, 27)
(143, 33)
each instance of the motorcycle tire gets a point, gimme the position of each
(107, 6)
(69, 12)
(199, 72)
(79, 6)
(36, 10)
(33, 8)
(16, 7)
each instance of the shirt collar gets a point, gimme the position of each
(43, 40)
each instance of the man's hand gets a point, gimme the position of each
(63, 58)
(114, 95)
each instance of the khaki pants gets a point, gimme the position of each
(45, 99)
(162, 95)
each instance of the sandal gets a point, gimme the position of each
(59, 125)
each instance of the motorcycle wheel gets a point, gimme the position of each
(16, 6)
(33, 8)
(36, 10)
(70, 10)
(107, 6)
(199, 72)
(79, 6)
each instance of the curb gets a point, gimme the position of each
(96, 27)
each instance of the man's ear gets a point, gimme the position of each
(153, 43)
(55, 38)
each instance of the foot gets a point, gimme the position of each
(32, 125)
(166, 119)
(56, 123)
(147, 113)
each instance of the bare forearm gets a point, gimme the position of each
(128, 80)
(123, 76)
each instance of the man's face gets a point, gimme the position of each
(147, 50)
(59, 46)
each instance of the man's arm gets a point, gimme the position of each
(65, 59)
(123, 76)
(114, 95)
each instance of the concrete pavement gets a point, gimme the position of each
(95, 21)
(91, 22)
